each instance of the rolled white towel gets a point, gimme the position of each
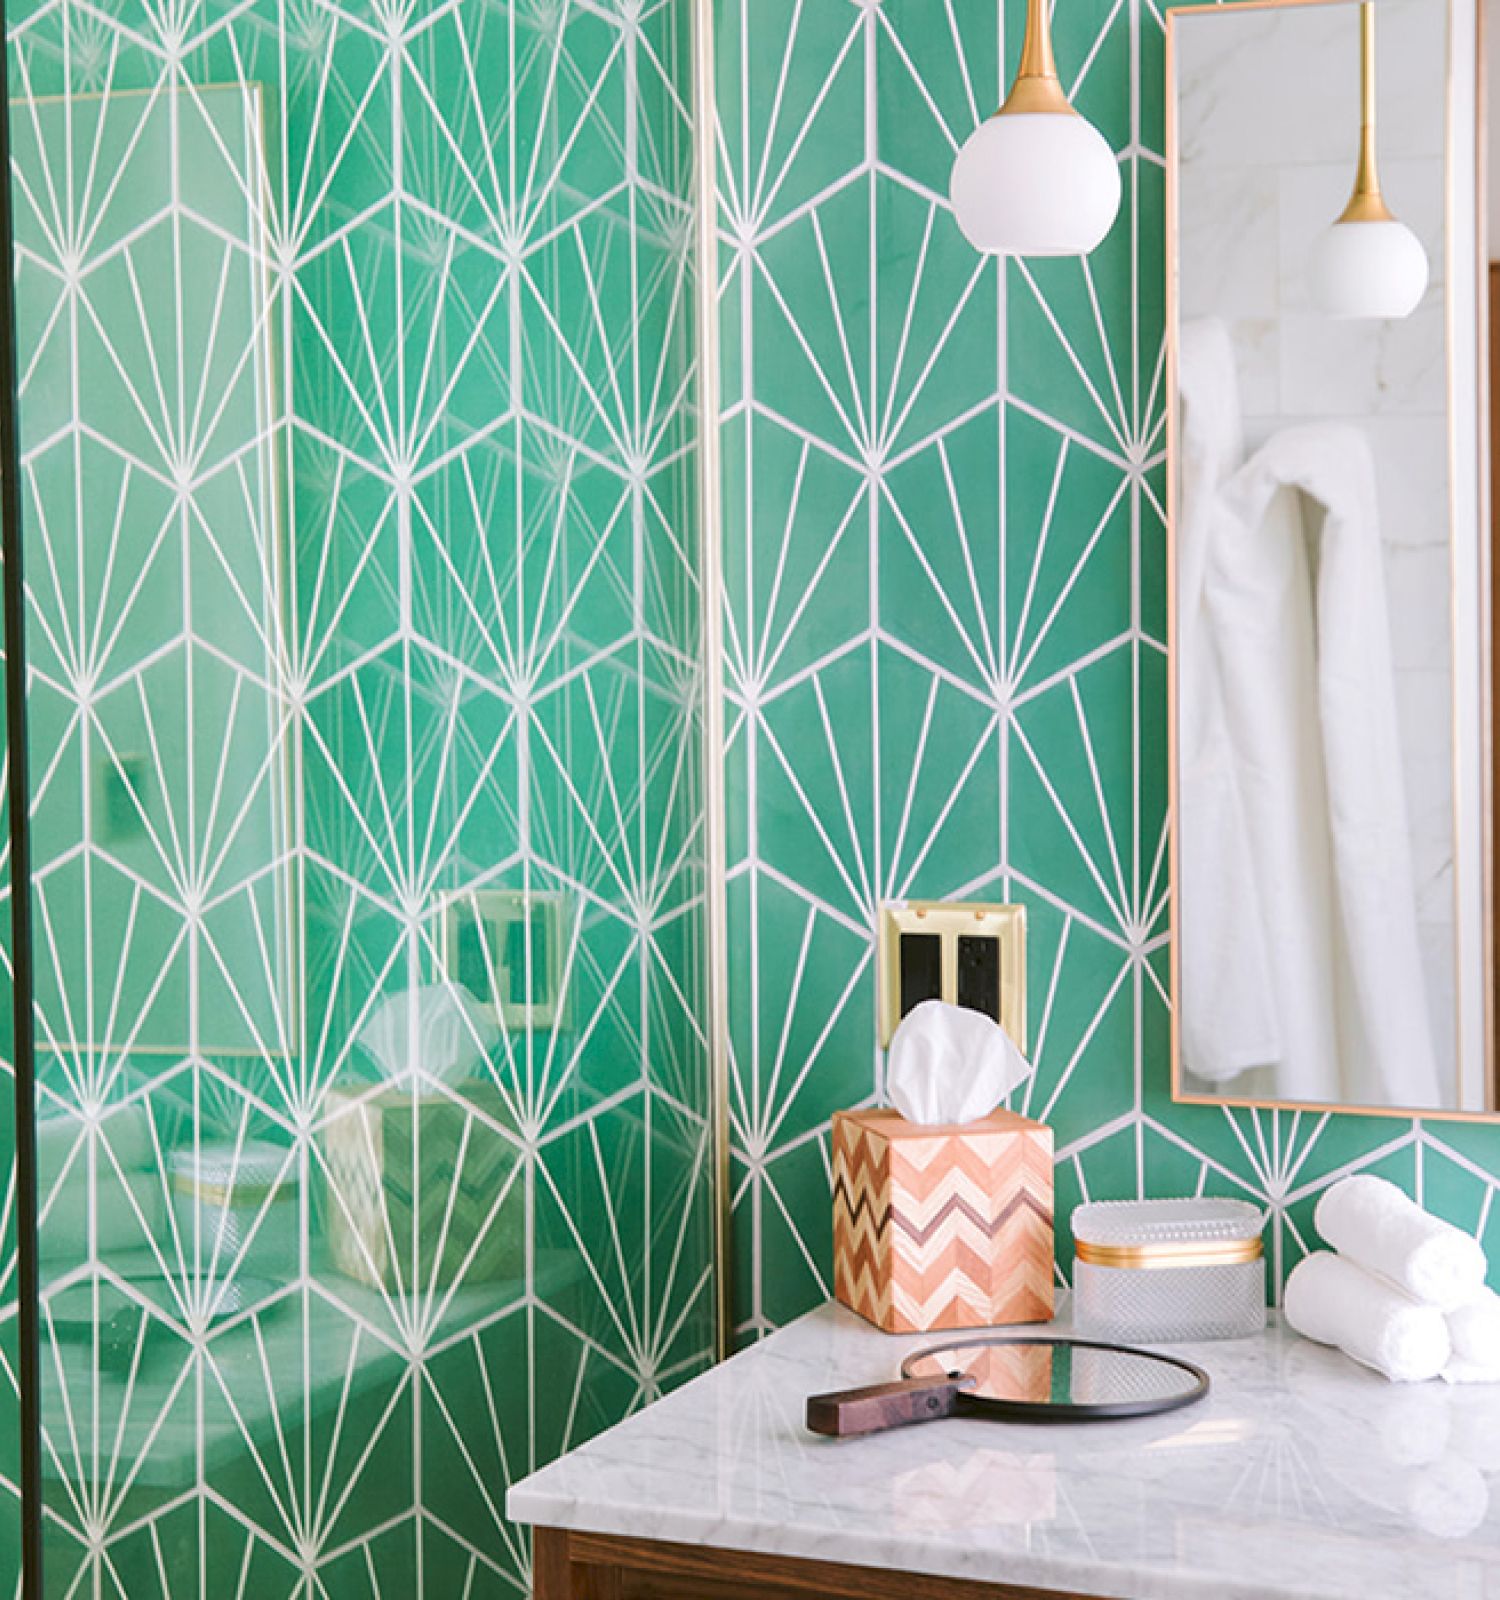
(1337, 1302)
(1474, 1328)
(1372, 1223)
(1472, 1372)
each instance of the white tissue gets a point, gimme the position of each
(1368, 1220)
(949, 1065)
(436, 1029)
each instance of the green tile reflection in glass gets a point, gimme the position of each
(361, 534)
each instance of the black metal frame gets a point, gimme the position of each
(1064, 1411)
(18, 794)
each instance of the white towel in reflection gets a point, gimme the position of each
(1284, 615)
(1229, 1023)
(1405, 1449)
(1476, 1428)
(62, 1140)
(1298, 600)
(129, 1211)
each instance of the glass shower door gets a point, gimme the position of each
(360, 533)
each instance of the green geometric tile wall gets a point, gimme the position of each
(432, 262)
(359, 447)
(945, 624)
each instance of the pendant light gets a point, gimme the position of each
(1035, 179)
(1368, 264)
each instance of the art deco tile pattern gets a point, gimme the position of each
(359, 454)
(945, 622)
(452, 394)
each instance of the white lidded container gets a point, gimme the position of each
(236, 1207)
(1168, 1271)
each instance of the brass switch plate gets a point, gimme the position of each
(482, 945)
(950, 920)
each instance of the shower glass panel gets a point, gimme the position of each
(10, 1420)
(358, 435)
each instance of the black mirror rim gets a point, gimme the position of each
(1067, 1411)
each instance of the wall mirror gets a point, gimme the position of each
(1329, 532)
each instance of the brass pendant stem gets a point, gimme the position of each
(1366, 204)
(1036, 87)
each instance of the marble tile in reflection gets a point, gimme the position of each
(1418, 579)
(1285, 83)
(1435, 942)
(1411, 473)
(1333, 368)
(1228, 249)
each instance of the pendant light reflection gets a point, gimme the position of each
(1035, 179)
(1368, 264)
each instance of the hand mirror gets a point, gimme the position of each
(1014, 1378)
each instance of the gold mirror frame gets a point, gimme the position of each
(1488, 602)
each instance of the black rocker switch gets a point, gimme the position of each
(979, 975)
(921, 969)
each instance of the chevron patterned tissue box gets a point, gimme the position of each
(415, 1186)
(942, 1227)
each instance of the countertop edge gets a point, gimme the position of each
(1158, 1510)
(1045, 1573)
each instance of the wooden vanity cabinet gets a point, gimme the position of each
(591, 1566)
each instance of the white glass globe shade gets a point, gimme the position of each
(1035, 183)
(1368, 269)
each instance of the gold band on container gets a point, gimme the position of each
(1183, 1253)
(232, 1194)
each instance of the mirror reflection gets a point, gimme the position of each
(1060, 1372)
(1328, 654)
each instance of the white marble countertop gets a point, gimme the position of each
(1301, 1475)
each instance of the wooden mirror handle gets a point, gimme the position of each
(884, 1405)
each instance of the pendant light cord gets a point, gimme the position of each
(1367, 66)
